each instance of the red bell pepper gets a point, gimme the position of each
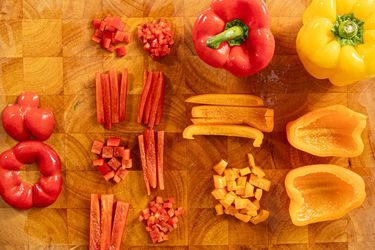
(114, 95)
(119, 223)
(97, 147)
(99, 99)
(106, 220)
(123, 94)
(151, 156)
(160, 158)
(159, 114)
(151, 97)
(145, 95)
(235, 35)
(94, 242)
(142, 155)
(157, 99)
(107, 101)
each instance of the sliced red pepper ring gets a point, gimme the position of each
(23, 195)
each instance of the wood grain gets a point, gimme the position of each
(45, 47)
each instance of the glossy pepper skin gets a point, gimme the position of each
(251, 55)
(25, 120)
(337, 40)
(22, 195)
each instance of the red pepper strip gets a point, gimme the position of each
(151, 97)
(151, 156)
(99, 99)
(160, 162)
(240, 50)
(123, 94)
(144, 96)
(114, 95)
(159, 114)
(142, 155)
(107, 101)
(94, 242)
(106, 220)
(119, 223)
(157, 99)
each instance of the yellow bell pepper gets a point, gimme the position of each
(337, 40)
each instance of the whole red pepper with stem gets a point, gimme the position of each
(235, 35)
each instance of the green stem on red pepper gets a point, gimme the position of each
(348, 30)
(235, 33)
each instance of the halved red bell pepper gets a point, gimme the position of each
(235, 35)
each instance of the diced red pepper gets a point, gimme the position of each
(96, 39)
(107, 152)
(167, 205)
(98, 162)
(127, 163)
(94, 241)
(156, 100)
(113, 141)
(114, 163)
(160, 158)
(172, 200)
(126, 38)
(97, 147)
(151, 98)
(159, 114)
(111, 48)
(151, 157)
(118, 152)
(106, 42)
(122, 173)
(119, 223)
(117, 178)
(159, 199)
(143, 160)
(99, 99)
(102, 26)
(114, 95)
(96, 23)
(121, 51)
(98, 33)
(119, 36)
(106, 220)
(108, 176)
(179, 211)
(104, 169)
(145, 94)
(171, 212)
(107, 101)
(126, 154)
(123, 94)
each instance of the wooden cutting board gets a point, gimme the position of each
(45, 47)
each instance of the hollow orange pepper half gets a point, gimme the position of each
(235, 35)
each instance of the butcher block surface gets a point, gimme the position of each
(46, 47)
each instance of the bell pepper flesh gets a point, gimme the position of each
(106, 220)
(99, 99)
(142, 154)
(94, 241)
(151, 98)
(160, 111)
(156, 100)
(119, 223)
(160, 158)
(255, 52)
(225, 130)
(241, 100)
(107, 101)
(151, 157)
(114, 95)
(144, 95)
(123, 94)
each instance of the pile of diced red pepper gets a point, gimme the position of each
(111, 97)
(151, 104)
(109, 33)
(160, 218)
(157, 37)
(114, 160)
(106, 225)
(151, 151)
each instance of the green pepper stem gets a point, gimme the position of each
(232, 33)
(348, 29)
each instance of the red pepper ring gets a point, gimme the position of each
(22, 195)
(235, 35)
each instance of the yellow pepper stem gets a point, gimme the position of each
(348, 30)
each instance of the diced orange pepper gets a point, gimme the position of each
(258, 194)
(245, 171)
(260, 182)
(262, 216)
(220, 167)
(219, 193)
(219, 209)
(219, 181)
(243, 217)
(249, 190)
(258, 172)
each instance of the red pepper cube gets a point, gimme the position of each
(122, 173)
(127, 163)
(126, 154)
(159, 199)
(179, 211)
(151, 204)
(146, 211)
(154, 209)
(102, 26)
(151, 221)
(97, 147)
(172, 200)
(108, 19)
(117, 179)
(171, 212)
(118, 152)
(110, 28)
(116, 23)
(107, 152)
(167, 205)
(121, 51)
(108, 176)
(106, 42)
(98, 33)
(121, 27)
(96, 23)
(126, 38)
(111, 48)
(114, 163)
(113, 141)
(98, 162)
(96, 39)
(140, 218)
(104, 169)
(119, 36)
